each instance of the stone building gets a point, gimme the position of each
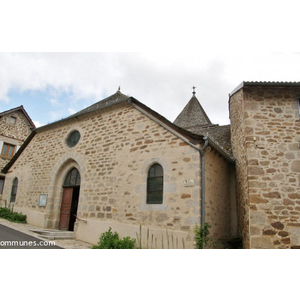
(15, 127)
(265, 130)
(120, 164)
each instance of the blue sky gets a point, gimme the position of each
(58, 67)
(51, 86)
(44, 106)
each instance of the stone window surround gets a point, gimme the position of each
(70, 131)
(142, 189)
(12, 120)
(152, 177)
(15, 180)
(73, 138)
(2, 179)
(8, 146)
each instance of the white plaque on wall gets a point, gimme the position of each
(43, 200)
(189, 182)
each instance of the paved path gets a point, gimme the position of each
(26, 229)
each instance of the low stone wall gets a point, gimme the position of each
(151, 237)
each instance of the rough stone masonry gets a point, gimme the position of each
(117, 146)
(265, 139)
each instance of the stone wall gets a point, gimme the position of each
(238, 138)
(20, 130)
(221, 206)
(271, 125)
(116, 149)
(14, 134)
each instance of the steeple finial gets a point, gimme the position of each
(119, 88)
(194, 90)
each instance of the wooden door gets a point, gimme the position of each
(65, 209)
(74, 207)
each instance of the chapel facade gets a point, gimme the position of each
(120, 164)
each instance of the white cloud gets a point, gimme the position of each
(55, 115)
(55, 102)
(38, 124)
(72, 111)
(162, 81)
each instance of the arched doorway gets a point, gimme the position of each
(69, 203)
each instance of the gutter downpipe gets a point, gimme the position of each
(201, 152)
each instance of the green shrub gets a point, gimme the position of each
(111, 240)
(9, 215)
(201, 236)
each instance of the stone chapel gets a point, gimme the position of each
(120, 164)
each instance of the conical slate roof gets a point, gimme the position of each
(192, 115)
(194, 119)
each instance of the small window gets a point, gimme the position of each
(14, 190)
(155, 183)
(73, 138)
(12, 120)
(299, 106)
(8, 150)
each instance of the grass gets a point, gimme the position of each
(9, 215)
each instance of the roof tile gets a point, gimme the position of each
(192, 115)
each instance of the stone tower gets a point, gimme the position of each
(265, 131)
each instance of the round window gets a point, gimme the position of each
(73, 138)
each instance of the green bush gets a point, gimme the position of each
(201, 236)
(111, 240)
(9, 215)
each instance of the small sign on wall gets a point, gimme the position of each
(43, 200)
(189, 182)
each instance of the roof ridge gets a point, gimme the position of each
(12, 109)
(114, 98)
(111, 100)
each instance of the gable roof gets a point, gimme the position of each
(117, 98)
(193, 114)
(19, 108)
(114, 99)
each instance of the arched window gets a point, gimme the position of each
(14, 190)
(73, 178)
(155, 183)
